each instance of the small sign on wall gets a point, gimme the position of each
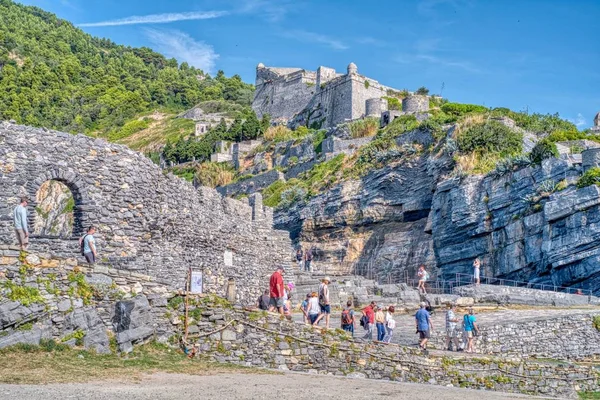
(228, 258)
(196, 282)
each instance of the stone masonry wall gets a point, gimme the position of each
(266, 340)
(565, 337)
(147, 222)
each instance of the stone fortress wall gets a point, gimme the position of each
(324, 98)
(147, 222)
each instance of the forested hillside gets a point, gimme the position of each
(53, 74)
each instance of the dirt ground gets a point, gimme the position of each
(245, 386)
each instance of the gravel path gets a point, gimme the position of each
(246, 386)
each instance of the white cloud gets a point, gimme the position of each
(313, 37)
(272, 10)
(579, 120)
(158, 18)
(183, 47)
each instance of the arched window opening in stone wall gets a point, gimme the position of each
(54, 210)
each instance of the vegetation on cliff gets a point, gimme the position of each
(53, 74)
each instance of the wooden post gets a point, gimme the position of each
(187, 296)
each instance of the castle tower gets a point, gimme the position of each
(352, 68)
(415, 103)
(376, 106)
(324, 75)
(596, 127)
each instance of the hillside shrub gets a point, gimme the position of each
(459, 109)
(129, 129)
(590, 177)
(317, 140)
(282, 133)
(215, 174)
(364, 127)
(490, 136)
(291, 196)
(543, 149)
(394, 103)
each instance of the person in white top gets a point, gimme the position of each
(476, 270)
(324, 302)
(313, 308)
(390, 324)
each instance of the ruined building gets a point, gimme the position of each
(320, 99)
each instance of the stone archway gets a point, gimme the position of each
(80, 205)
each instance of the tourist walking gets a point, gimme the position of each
(304, 307)
(300, 258)
(313, 308)
(20, 219)
(308, 256)
(476, 270)
(451, 328)
(348, 318)
(87, 243)
(324, 301)
(390, 324)
(380, 324)
(424, 326)
(422, 276)
(276, 291)
(287, 300)
(471, 330)
(369, 320)
(263, 300)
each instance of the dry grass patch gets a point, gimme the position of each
(25, 364)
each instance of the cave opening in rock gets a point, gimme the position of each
(54, 210)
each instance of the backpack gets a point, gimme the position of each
(364, 321)
(322, 294)
(82, 245)
(346, 317)
(391, 323)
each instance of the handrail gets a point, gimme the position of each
(468, 279)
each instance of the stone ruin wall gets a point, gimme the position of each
(282, 92)
(325, 97)
(147, 222)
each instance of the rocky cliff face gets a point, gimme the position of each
(54, 210)
(374, 226)
(522, 225)
(532, 224)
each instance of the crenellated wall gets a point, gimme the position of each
(147, 222)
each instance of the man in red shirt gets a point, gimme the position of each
(368, 311)
(276, 292)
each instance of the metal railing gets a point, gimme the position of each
(468, 279)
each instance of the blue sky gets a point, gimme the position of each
(540, 55)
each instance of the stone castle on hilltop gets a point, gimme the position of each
(320, 99)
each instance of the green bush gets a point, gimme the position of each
(129, 129)
(394, 103)
(364, 127)
(317, 140)
(459, 109)
(490, 136)
(422, 91)
(542, 150)
(590, 177)
(215, 174)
